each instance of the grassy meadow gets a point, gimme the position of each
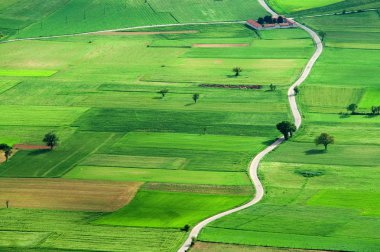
(316, 199)
(99, 93)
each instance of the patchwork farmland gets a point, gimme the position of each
(157, 126)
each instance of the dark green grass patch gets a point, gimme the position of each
(126, 120)
(45, 163)
(309, 174)
(170, 209)
(158, 175)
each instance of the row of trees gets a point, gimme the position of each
(163, 93)
(271, 20)
(50, 139)
(287, 129)
(375, 110)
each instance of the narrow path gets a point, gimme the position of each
(256, 161)
(121, 29)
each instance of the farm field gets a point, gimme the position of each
(167, 161)
(68, 17)
(316, 199)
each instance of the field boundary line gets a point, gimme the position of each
(254, 165)
(122, 29)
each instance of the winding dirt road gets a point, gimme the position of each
(256, 161)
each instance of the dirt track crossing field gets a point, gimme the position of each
(131, 33)
(63, 194)
(219, 45)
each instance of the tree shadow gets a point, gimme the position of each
(157, 98)
(315, 152)
(38, 152)
(269, 142)
(231, 76)
(189, 104)
(345, 115)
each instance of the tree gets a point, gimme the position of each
(260, 21)
(352, 107)
(296, 90)
(322, 34)
(51, 140)
(375, 110)
(7, 151)
(237, 71)
(195, 98)
(163, 92)
(272, 87)
(286, 128)
(324, 139)
(280, 19)
(268, 19)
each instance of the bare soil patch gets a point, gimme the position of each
(126, 33)
(219, 45)
(63, 194)
(30, 147)
(231, 86)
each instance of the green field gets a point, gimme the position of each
(337, 209)
(67, 17)
(99, 93)
(185, 208)
(317, 7)
(71, 231)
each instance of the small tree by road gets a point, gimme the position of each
(322, 35)
(286, 128)
(296, 90)
(237, 71)
(195, 97)
(324, 139)
(352, 108)
(163, 92)
(51, 140)
(7, 151)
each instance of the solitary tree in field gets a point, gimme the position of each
(51, 140)
(375, 110)
(163, 92)
(7, 151)
(286, 128)
(352, 107)
(195, 97)
(322, 34)
(237, 71)
(272, 87)
(324, 139)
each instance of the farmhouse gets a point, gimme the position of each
(287, 23)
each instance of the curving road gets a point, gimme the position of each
(256, 161)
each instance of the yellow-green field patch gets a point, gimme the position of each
(26, 73)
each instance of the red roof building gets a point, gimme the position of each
(252, 23)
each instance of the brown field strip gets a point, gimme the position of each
(63, 194)
(115, 33)
(219, 45)
(30, 147)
